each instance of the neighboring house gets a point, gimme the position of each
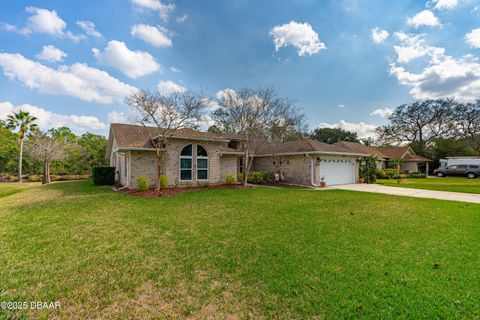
(195, 157)
(409, 161)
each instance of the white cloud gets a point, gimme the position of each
(445, 76)
(51, 54)
(164, 10)
(133, 63)
(382, 112)
(341, 106)
(445, 4)
(413, 47)
(182, 18)
(300, 35)
(223, 94)
(78, 80)
(173, 69)
(363, 130)
(168, 87)
(379, 35)
(117, 117)
(47, 119)
(157, 37)
(45, 21)
(424, 18)
(89, 28)
(473, 38)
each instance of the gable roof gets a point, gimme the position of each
(402, 153)
(137, 136)
(361, 148)
(301, 146)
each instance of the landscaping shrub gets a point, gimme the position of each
(417, 175)
(368, 170)
(142, 183)
(163, 182)
(256, 177)
(269, 177)
(103, 176)
(239, 177)
(390, 173)
(381, 174)
(229, 179)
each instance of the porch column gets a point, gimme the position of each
(426, 172)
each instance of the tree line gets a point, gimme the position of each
(25, 150)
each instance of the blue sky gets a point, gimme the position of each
(347, 63)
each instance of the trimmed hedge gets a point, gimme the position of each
(103, 176)
(259, 177)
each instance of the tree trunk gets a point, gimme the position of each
(159, 171)
(46, 173)
(20, 159)
(245, 168)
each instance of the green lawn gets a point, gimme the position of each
(441, 184)
(235, 254)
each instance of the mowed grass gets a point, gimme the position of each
(237, 254)
(456, 184)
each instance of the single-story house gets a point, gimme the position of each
(409, 161)
(195, 157)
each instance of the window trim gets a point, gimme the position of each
(180, 163)
(197, 157)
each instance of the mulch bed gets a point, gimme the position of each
(150, 193)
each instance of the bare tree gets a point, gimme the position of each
(46, 149)
(467, 118)
(255, 114)
(285, 119)
(421, 121)
(163, 115)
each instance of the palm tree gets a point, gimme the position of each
(25, 123)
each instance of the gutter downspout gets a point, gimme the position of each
(311, 172)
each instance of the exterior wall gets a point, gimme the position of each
(409, 167)
(296, 168)
(228, 165)
(145, 162)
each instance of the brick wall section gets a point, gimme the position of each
(228, 165)
(144, 163)
(296, 168)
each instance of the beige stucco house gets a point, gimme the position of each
(195, 157)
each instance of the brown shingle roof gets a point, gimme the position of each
(402, 153)
(300, 146)
(360, 148)
(137, 136)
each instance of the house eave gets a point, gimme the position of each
(195, 138)
(313, 152)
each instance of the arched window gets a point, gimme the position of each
(202, 163)
(186, 163)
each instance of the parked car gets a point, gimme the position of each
(470, 171)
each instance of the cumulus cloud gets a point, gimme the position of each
(133, 63)
(47, 119)
(424, 18)
(445, 76)
(382, 112)
(363, 130)
(300, 35)
(51, 54)
(44, 21)
(89, 28)
(445, 4)
(473, 38)
(157, 37)
(379, 35)
(78, 80)
(164, 10)
(168, 87)
(413, 46)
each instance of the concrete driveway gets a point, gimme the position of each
(409, 192)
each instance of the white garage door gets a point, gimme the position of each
(337, 170)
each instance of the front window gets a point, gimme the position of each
(186, 163)
(202, 163)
